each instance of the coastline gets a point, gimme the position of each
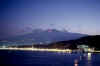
(42, 49)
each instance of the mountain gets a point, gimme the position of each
(92, 41)
(47, 36)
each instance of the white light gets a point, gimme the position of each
(89, 56)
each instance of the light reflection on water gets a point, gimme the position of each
(87, 57)
(49, 58)
(75, 62)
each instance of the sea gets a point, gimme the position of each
(44, 58)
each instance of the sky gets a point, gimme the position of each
(18, 17)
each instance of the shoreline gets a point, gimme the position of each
(49, 50)
(37, 49)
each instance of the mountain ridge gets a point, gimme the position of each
(92, 41)
(47, 36)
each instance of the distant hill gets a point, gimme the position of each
(92, 41)
(47, 36)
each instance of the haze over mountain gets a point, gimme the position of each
(47, 36)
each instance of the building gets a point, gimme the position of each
(83, 48)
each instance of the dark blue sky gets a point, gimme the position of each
(21, 16)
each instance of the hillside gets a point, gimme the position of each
(92, 41)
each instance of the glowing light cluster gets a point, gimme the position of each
(38, 49)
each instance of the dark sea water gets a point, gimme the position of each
(35, 58)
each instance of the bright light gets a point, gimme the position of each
(39, 49)
(89, 56)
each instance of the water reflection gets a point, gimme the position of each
(89, 58)
(75, 62)
(80, 58)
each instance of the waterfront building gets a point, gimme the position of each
(83, 48)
